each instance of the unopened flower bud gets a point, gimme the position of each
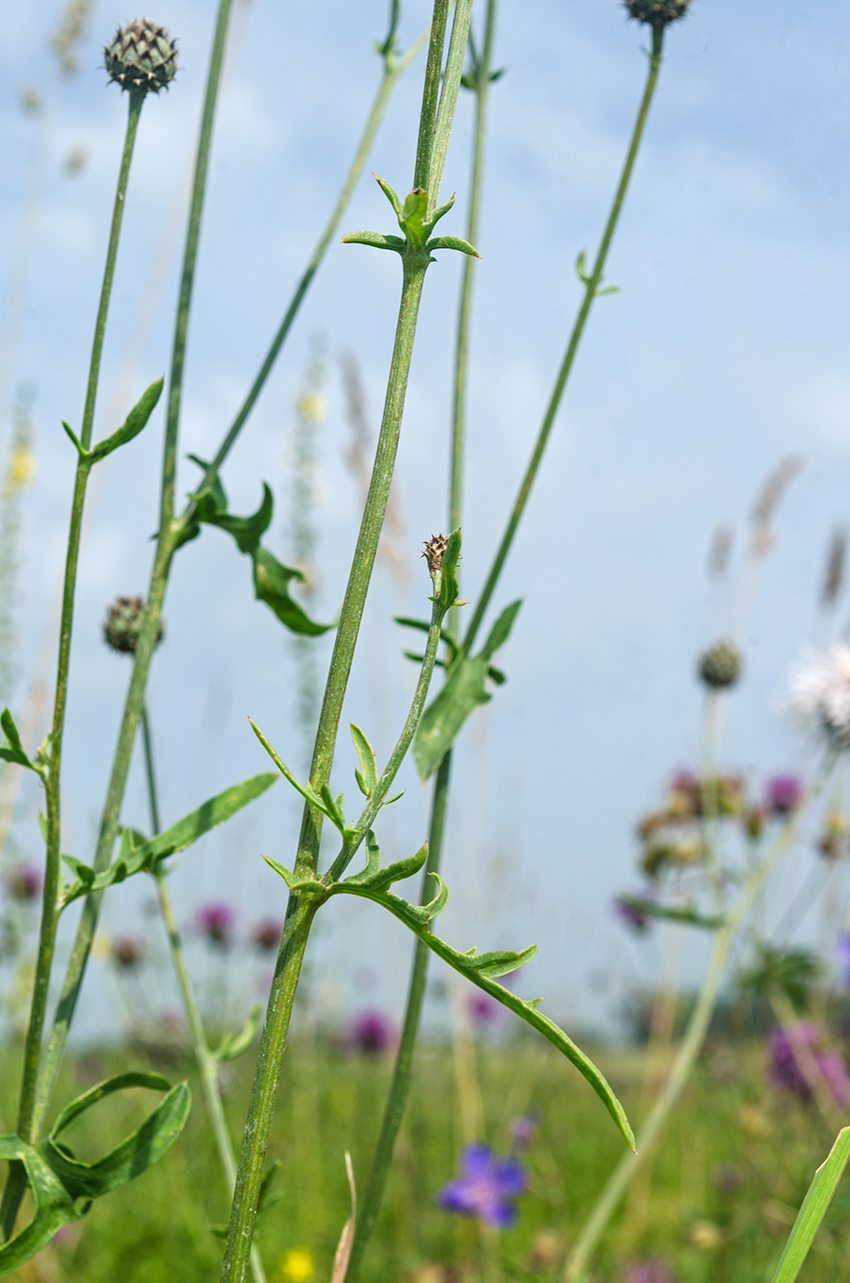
(141, 58)
(123, 624)
(658, 13)
(720, 666)
(435, 548)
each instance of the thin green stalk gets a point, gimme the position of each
(150, 625)
(430, 93)
(690, 1046)
(403, 1069)
(393, 71)
(591, 287)
(27, 1121)
(298, 917)
(448, 101)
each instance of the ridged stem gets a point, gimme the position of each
(403, 1068)
(149, 632)
(591, 287)
(697, 1027)
(27, 1121)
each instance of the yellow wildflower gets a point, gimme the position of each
(296, 1266)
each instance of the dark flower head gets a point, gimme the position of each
(266, 935)
(123, 624)
(216, 921)
(658, 13)
(786, 1072)
(23, 882)
(127, 952)
(783, 794)
(141, 57)
(524, 1129)
(649, 1271)
(435, 549)
(487, 1189)
(370, 1033)
(720, 666)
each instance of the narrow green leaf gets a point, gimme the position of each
(439, 212)
(306, 790)
(271, 585)
(376, 239)
(292, 880)
(14, 750)
(654, 910)
(133, 424)
(813, 1210)
(449, 591)
(425, 627)
(368, 761)
(390, 195)
(453, 242)
(501, 630)
(234, 1044)
(84, 454)
(377, 879)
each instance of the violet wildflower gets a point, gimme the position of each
(24, 882)
(649, 1271)
(487, 1189)
(820, 693)
(370, 1033)
(483, 1009)
(266, 935)
(783, 794)
(785, 1072)
(844, 957)
(215, 921)
(523, 1130)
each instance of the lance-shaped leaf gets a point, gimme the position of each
(132, 425)
(137, 854)
(453, 242)
(13, 750)
(306, 790)
(652, 909)
(54, 1206)
(367, 775)
(271, 585)
(133, 1156)
(482, 970)
(233, 1045)
(376, 239)
(813, 1210)
(463, 690)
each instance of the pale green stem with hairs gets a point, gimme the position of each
(689, 1049)
(207, 1063)
(28, 1119)
(299, 913)
(403, 1069)
(149, 632)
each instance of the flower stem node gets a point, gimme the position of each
(720, 666)
(412, 215)
(657, 13)
(141, 57)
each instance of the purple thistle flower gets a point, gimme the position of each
(370, 1033)
(487, 1188)
(785, 1072)
(783, 794)
(844, 956)
(483, 1009)
(649, 1271)
(524, 1129)
(24, 882)
(215, 921)
(266, 935)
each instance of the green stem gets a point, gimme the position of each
(403, 1069)
(150, 774)
(149, 632)
(692, 1042)
(430, 93)
(393, 71)
(448, 101)
(591, 287)
(298, 919)
(27, 1122)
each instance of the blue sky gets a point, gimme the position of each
(724, 351)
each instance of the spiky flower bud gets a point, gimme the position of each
(720, 666)
(435, 548)
(141, 58)
(123, 624)
(658, 13)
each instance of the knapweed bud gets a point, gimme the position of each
(435, 548)
(658, 13)
(123, 624)
(720, 666)
(141, 58)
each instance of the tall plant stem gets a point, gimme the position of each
(591, 287)
(27, 1122)
(149, 632)
(393, 71)
(298, 916)
(206, 1061)
(689, 1048)
(403, 1068)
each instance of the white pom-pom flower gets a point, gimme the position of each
(820, 693)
